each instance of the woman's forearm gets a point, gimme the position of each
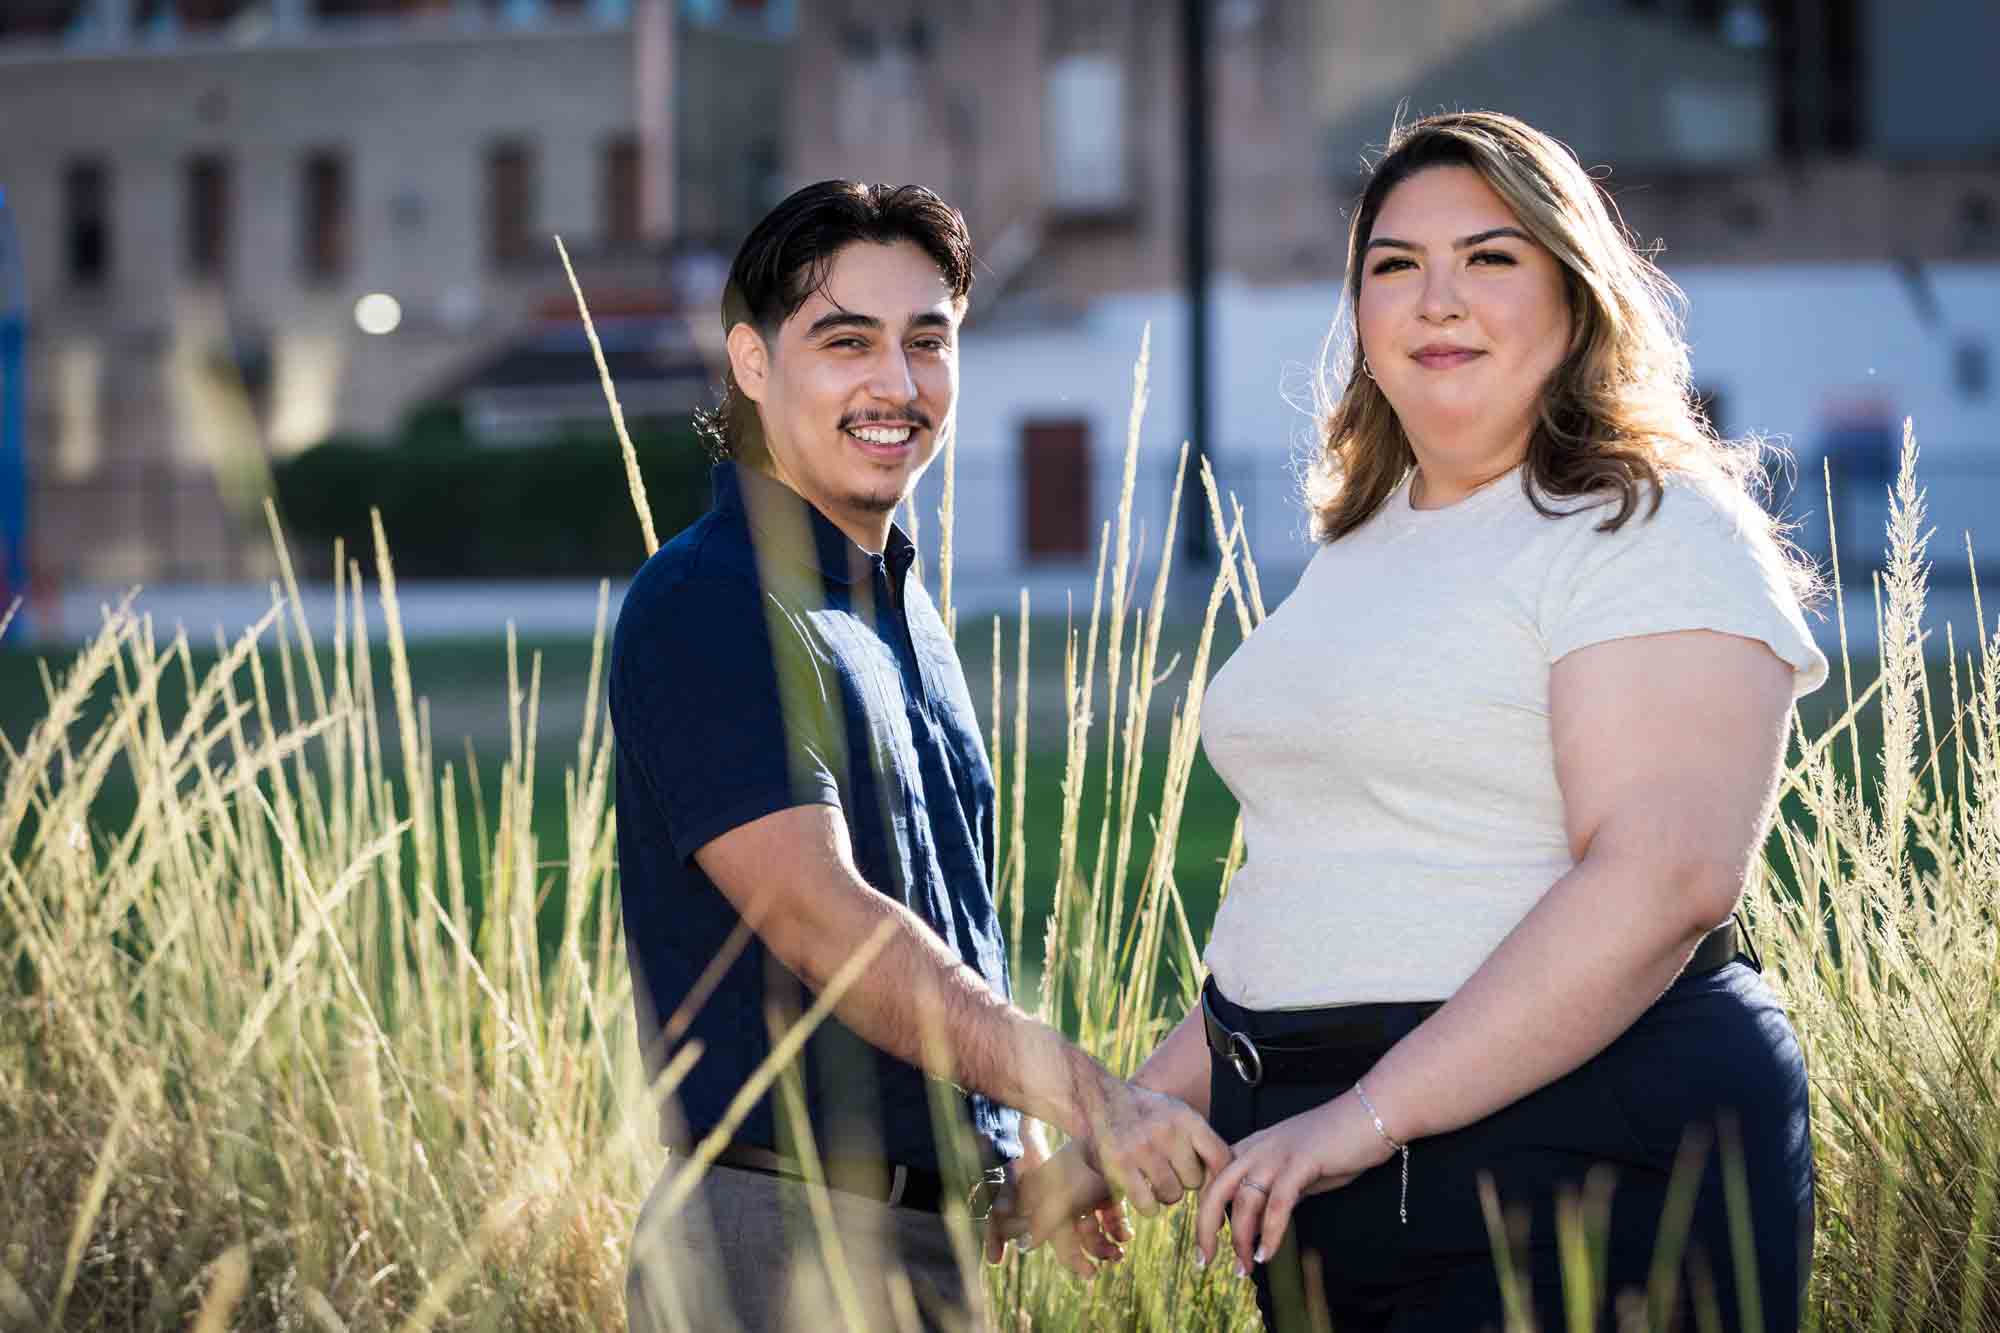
(1599, 948)
(1178, 1066)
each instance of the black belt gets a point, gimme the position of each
(885, 1182)
(1301, 1057)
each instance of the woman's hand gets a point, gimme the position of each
(1311, 1153)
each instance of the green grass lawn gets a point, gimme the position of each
(1209, 814)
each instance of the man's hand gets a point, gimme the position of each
(1061, 1200)
(1150, 1146)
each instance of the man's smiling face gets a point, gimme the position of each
(857, 384)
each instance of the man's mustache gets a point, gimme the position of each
(913, 414)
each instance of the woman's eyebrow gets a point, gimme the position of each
(1492, 233)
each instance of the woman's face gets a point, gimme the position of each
(1462, 318)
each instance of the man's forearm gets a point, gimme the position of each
(791, 876)
(921, 1004)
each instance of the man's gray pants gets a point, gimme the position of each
(746, 1253)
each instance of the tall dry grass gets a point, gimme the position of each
(275, 1055)
(1887, 954)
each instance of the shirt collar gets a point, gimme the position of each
(772, 509)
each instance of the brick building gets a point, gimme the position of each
(1826, 187)
(206, 190)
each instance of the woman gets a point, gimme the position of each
(1505, 757)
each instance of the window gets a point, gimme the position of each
(510, 201)
(1083, 135)
(36, 18)
(325, 215)
(196, 14)
(352, 8)
(765, 180)
(1977, 220)
(208, 216)
(1972, 369)
(1818, 74)
(87, 222)
(79, 415)
(778, 18)
(621, 222)
(1055, 489)
(1738, 22)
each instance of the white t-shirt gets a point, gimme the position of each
(1387, 728)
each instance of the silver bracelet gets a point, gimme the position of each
(1403, 1148)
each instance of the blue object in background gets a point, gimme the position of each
(13, 419)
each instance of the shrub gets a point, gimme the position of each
(455, 509)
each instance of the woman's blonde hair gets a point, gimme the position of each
(1617, 413)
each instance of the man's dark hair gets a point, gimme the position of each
(787, 256)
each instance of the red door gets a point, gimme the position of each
(1055, 489)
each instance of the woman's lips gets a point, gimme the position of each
(1445, 358)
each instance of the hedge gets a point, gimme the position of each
(457, 510)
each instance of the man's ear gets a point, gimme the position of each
(749, 360)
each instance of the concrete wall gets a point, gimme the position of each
(1798, 352)
(1793, 352)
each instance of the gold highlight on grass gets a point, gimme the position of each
(311, 1040)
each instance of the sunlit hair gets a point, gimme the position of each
(1616, 415)
(787, 257)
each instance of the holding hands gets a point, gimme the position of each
(1311, 1153)
(1144, 1145)
(1062, 1201)
(1150, 1146)
(1154, 1149)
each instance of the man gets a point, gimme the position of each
(801, 779)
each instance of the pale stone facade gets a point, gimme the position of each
(158, 393)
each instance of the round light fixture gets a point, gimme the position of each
(378, 312)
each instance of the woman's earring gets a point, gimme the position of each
(1366, 369)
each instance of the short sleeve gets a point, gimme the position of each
(1698, 563)
(722, 707)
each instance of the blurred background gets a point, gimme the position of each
(302, 249)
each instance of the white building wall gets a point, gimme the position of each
(1790, 349)
(1787, 344)
(1795, 350)
(1263, 342)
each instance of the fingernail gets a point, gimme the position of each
(1200, 1259)
(1258, 1257)
(1241, 1271)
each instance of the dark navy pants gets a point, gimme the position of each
(1714, 1056)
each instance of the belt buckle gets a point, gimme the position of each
(1243, 1055)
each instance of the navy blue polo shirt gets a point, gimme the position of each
(763, 661)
